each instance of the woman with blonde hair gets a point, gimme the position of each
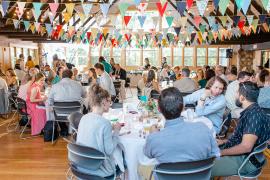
(33, 99)
(11, 79)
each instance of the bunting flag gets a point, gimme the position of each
(155, 20)
(211, 20)
(104, 8)
(123, 8)
(127, 19)
(112, 19)
(262, 19)
(94, 32)
(37, 10)
(250, 19)
(265, 4)
(254, 25)
(141, 20)
(16, 23)
(223, 20)
(216, 2)
(70, 8)
(181, 7)
(177, 30)
(5, 5)
(32, 28)
(66, 16)
(53, 7)
(88, 35)
(169, 20)
(236, 20)
(142, 7)
(183, 21)
(26, 25)
(197, 20)
(49, 29)
(189, 4)
(37, 26)
(239, 4)
(51, 17)
(202, 28)
(137, 2)
(201, 5)
(71, 31)
(87, 8)
(245, 6)
(21, 8)
(223, 4)
(82, 16)
(161, 8)
(241, 24)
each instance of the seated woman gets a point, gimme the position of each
(211, 101)
(58, 76)
(232, 75)
(151, 83)
(33, 99)
(264, 96)
(97, 132)
(201, 78)
(92, 76)
(11, 79)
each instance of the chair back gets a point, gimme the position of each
(117, 84)
(84, 157)
(225, 126)
(74, 119)
(21, 106)
(196, 170)
(77, 173)
(117, 105)
(63, 109)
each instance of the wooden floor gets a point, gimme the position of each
(34, 159)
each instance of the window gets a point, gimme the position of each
(25, 52)
(94, 55)
(152, 55)
(12, 56)
(223, 61)
(117, 55)
(177, 60)
(77, 55)
(18, 52)
(201, 56)
(166, 52)
(133, 57)
(188, 56)
(212, 56)
(106, 53)
(51, 49)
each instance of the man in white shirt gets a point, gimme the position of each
(19, 73)
(219, 70)
(230, 95)
(186, 84)
(104, 80)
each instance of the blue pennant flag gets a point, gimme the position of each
(181, 7)
(141, 20)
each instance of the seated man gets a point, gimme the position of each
(243, 76)
(67, 90)
(185, 84)
(119, 72)
(179, 141)
(253, 129)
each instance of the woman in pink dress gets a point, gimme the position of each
(34, 98)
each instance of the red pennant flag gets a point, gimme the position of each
(100, 37)
(189, 3)
(241, 24)
(127, 19)
(128, 37)
(58, 28)
(161, 9)
(197, 20)
(88, 34)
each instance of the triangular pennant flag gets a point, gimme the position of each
(197, 20)
(88, 35)
(236, 20)
(202, 28)
(83, 35)
(155, 20)
(141, 20)
(189, 4)
(112, 19)
(37, 25)
(177, 30)
(53, 7)
(32, 28)
(5, 5)
(250, 19)
(137, 2)
(70, 8)
(94, 32)
(16, 23)
(211, 20)
(161, 9)
(163, 1)
(87, 8)
(265, 4)
(20, 7)
(82, 17)
(104, 8)
(127, 19)
(223, 20)
(49, 29)
(245, 6)
(37, 10)
(26, 25)
(181, 7)
(169, 20)
(190, 29)
(71, 31)
(165, 31)
(123, 8)
(67, 17)
(262, 19)
(223, 4)
(51, 17)
(183, 21)
(201, 5)
(142, 7)
(216, 2)
(105, 31)
(239, 4)
(255, 24)
(241, 24)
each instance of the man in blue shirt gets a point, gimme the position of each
(179, 141)
(252, 130)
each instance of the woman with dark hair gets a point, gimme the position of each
(151, 83)
(232, 75)
(34, 98)
(58, 76)
(264, 96)
(97, 132)
(211, 101)
(92, 76)
(11, 79)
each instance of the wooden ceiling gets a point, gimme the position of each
(7, 27)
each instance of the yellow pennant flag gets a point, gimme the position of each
(70, 8)
(105, 31)
(82, 17)
(67, 17)
(32, 28)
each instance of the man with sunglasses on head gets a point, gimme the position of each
(252, 130)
